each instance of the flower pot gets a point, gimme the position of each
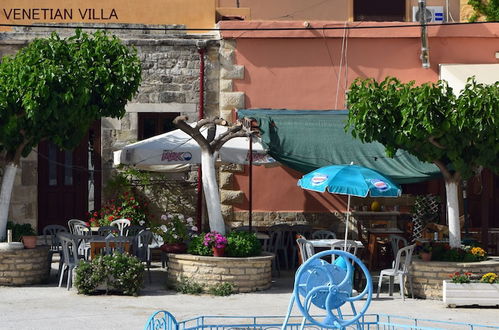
(29, 241)
(462, 294)
(218, 252)
(174, 247)
(425, 256)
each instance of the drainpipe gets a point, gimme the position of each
(199, 205)
(425, 51)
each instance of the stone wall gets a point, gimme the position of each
(245, 274)
(24, 267)
(427, 276)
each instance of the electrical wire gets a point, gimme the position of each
(93, 27)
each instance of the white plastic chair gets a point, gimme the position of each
(72, 223)
(396, 241)
(323, 234)
(121, 224)
(70, 256)
(306, 249)
(400, 269)
(352, 247)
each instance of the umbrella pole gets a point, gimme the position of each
(347, 223)
(250, 188)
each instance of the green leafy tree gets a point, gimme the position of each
(488, 9)
(459, 134)
(54, 88)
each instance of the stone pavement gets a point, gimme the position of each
(49, 307)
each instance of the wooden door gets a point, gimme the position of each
(66, 179)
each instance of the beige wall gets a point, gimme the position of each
(192, 13)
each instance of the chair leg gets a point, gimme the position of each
(70, 278)
(409, 278)
(390, 286)
(402, 287)
(62, 275)
(379, 285)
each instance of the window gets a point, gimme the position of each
(377, 10)
(154, 123)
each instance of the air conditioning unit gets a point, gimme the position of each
(434, 14)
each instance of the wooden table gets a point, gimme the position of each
(98, 244)
(372, 243)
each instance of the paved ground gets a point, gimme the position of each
(50, 307)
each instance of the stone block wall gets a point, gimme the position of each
(428, 276)
(24, 267)
(245, 274)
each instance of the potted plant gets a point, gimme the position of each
(217, 242)
(470, 289)
(424, 251)
(175, 230)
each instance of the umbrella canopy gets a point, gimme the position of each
(351, 180)
(176, 148)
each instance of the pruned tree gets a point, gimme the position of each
(210, 145)
(53, 89)
(459, 134)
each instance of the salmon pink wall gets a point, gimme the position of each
(301, 70)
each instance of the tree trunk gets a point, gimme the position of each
(451, 191)
(5, 195)
(211, 193)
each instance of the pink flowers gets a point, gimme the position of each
(215, 239)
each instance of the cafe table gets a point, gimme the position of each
(328, 242)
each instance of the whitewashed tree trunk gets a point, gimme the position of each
(211, 193)
(5, 195)
(451, 191)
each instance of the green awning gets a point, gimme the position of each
(305, 140)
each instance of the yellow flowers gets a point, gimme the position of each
(477, 251)
(489, 278)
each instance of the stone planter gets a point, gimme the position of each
(428, 276)
(24, 266)
(462, 294)
(245, 274)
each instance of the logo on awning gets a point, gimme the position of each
(318, 179)
(380, 185)
(175, 156)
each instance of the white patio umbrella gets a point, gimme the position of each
(167, 151)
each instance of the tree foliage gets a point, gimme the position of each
(54, 88)
(458, 134)
(489, 9)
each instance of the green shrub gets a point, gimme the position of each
(222, 289)
(197, 247)
(122, 272)
(19, 230)
(243, 244)
(188, 286)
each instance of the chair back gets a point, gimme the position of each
(284, 239)
(82, 230)
(121, 224)
(69, 249)
(397, 242)
(115, 244)
(306, 249)
(52, 230)
(141, 245)
(72, 223)
(323, 234)
(351, 247)
(404, 259)
(106, 230)
(133, 230)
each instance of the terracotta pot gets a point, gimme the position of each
(29, 241)
(174, 247)
(218, 252)
(425, 256)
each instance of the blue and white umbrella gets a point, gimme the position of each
(351, 180)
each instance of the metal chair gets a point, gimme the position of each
(133, 230)
(54, 244)
(70, 256)
(400, 269)
(106, 230)
(280, 241)
(141, 249)
(72, 223)
(306, 249)
(121, 224)
(116, 244)
(323, 234)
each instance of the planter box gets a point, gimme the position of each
(460, 294)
